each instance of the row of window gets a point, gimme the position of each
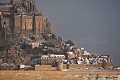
(54, 57)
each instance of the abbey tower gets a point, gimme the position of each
(22, 16)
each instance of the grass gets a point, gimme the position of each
(49, 75)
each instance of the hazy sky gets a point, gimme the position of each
(92, 24)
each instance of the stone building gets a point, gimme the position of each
(22, 16)
(51, 59)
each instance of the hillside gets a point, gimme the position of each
(26, 49)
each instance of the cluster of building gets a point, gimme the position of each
(83, 57)
(78, 59)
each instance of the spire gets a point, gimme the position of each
(34, 6)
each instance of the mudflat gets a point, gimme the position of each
(58, 75)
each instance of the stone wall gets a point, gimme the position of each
(70, 66)
(44, 68)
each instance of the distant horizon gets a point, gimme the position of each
(92, 24)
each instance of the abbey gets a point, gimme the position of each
(22, 16)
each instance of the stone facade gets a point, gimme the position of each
(44, 68)
(51, 59)
(22, 16)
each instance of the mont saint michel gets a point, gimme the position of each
(29, 50)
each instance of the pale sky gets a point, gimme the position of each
(92, 24)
